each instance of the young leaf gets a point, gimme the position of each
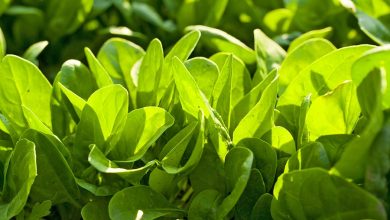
(269, 54)
(34, 50)
(3, 46)
(149, 73)
(191, 98)
(222, 94)
(259, 119)
(241, 79)
(205, 73)
(99, 73)
(181, 50)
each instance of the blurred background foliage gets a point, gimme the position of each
(57, 30)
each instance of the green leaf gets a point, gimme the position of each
(77, 103)
(259, 119)
(65, 17)
(215, 14)
(96, 210)
(191, 98)
(262, 208)
(4, 5)
(76, 77)
(269, 54)
(254, 189)
(40, 210)
(204, 205)
(240, 77)
(118, 56)
(264, 159)
(314, 34)
(318, 78)
(303, 133)
(221, 41)
(238, 163)
(181, 50)
(246, 103)
(149, 74)
(376, 58)
(354, 159)
(20, 175)
(214, 178)
(34, 50)
(337, 112)
(314, 193)
(310, 155)
(98, 160)
(3, 45)
(171, 162)
(282, 140)
(334, 145)
(55, 180)
(143, 127)
(23, 84)
(140, 202)
(301, 57)
(205, 73)
(379, 164)
(222, 94)
(149, 14)
(101, 121)
(100, 74)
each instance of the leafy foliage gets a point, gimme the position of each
(289, 126)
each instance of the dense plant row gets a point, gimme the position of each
(141, 135)
(273, 124)
(69, 26)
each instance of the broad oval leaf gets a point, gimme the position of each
(336, 112)
(23, 84)
(314, 193)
